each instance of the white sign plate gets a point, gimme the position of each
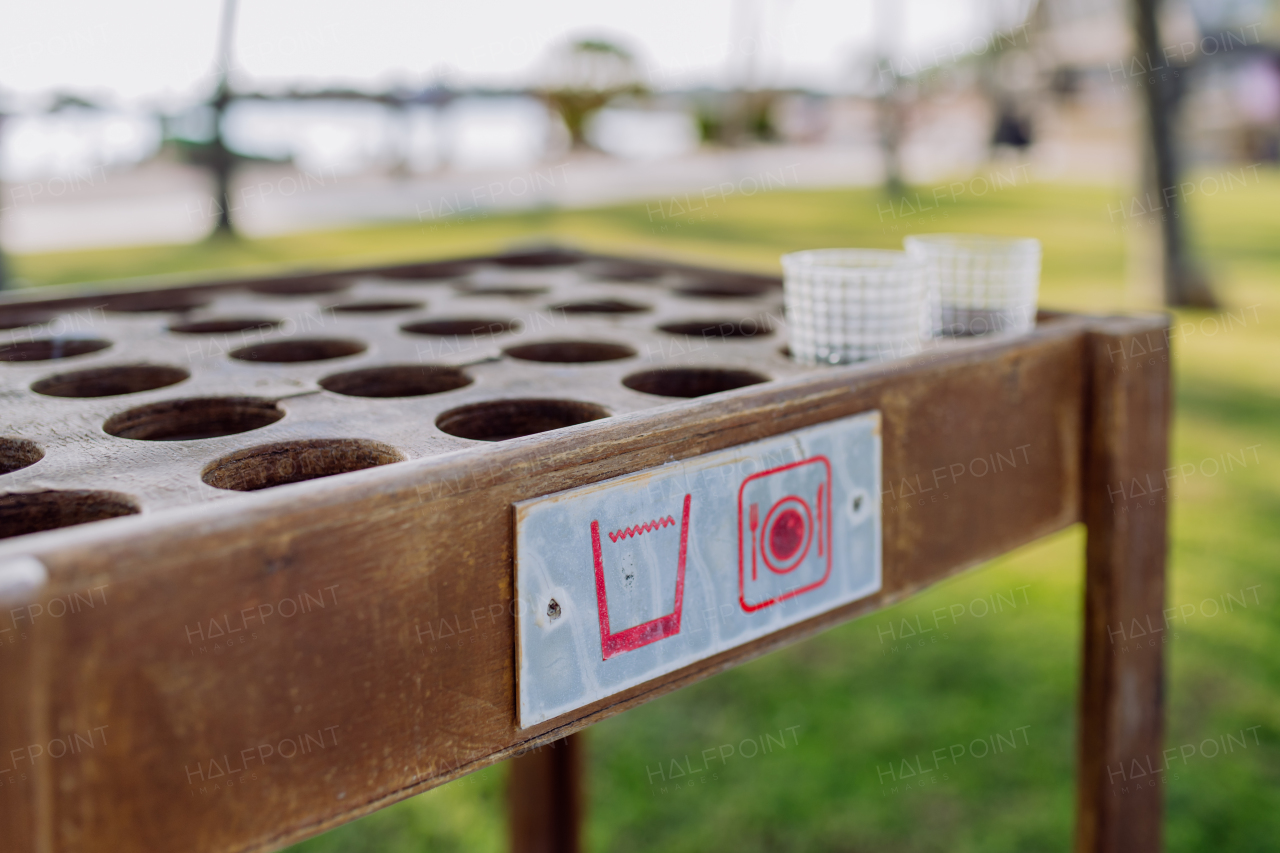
(622, 581)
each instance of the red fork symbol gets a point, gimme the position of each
(755, 522)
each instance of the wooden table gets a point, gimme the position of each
(218, 670)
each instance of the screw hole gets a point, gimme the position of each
(857, 503)
(553, 610)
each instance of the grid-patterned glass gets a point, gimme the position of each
(979, 285)
(847, 305)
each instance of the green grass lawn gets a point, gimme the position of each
(846, 704)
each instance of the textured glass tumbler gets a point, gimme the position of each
(979, 285)
(847, 305)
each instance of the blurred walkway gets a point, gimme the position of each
(163, 202)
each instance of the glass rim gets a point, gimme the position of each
(845, 261)
(972, 241)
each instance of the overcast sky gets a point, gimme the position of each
(162, 51)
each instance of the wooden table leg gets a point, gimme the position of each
(1120, 783)
(545, 798)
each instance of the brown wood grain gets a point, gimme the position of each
(1120, 783)
(377, 701)
(22, 714)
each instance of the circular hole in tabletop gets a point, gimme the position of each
(748, 327)
(500, 420)
(622, 271)
(726, 286)
(159, 301)
(18, 453)
(110, 381)
(195, 418)
(570, 352)
(376, 307)
(601, 306)
(295, 461)
(223, 325)
(301, 286)
(461, 326)
(425, 272)
(398, 380)
(691, 381)
(32, 512)
(22, 319)
(538, 258)
(716, 291)
(48, 349)
(304, 349)
(515, 291)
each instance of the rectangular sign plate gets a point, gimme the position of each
(622, 581)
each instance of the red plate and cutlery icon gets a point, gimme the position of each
(784, 532)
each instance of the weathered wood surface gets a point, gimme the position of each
(304, 369)
(1121, 762)
(397, 553)
(259, 668)
(131, 294)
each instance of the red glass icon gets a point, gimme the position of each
(784, 532)
(614, 643)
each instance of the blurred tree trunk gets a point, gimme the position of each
(221, 159)
(890, 109)
(221, 163)
(1184, 284)
(890, 112)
